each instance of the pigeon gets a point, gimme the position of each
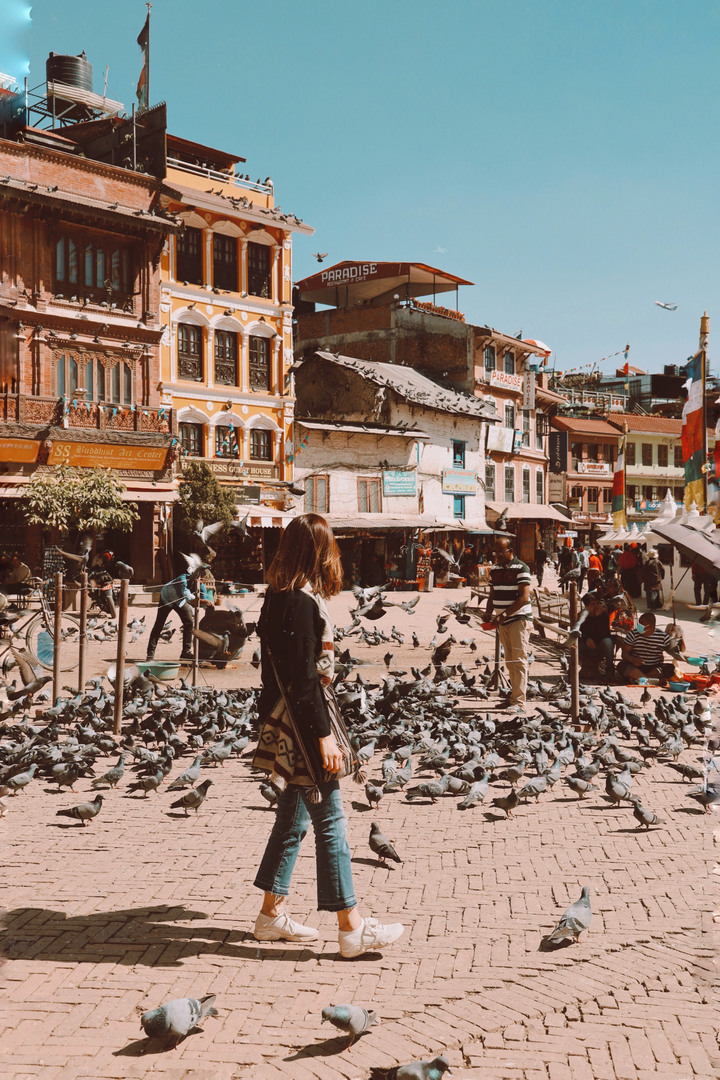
(707, 797)
(415, 1070)
(193, 799)
(373, 793)
(270, 793)
(31, 675)
(576, 919)
(507, 802)
(351, 1019)
(85, 811)
(21, 780)
(147, 783)
(187, 778)
(177, 1017)
(382, 846)
(643, 816)
(430, 789)
(475, 795)
(579, 786)
(113, 776)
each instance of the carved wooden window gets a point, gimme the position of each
(509, 363)
(260, 445)
(191, 439)
(190, 341)
(121, 384)
(369, 501)
(258, 257)
(489, 357)
(226, 358)
(87, 378)
(100, 269)
(226, 442)
(662, 455)
(317, 492)
(259, 355)
(225, 262)
(188, 256)
(678, 457)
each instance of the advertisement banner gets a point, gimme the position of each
(558, 450)
(459, 482)
(399, 482)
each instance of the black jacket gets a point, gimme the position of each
(290, 630)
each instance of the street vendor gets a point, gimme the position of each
(643, 650)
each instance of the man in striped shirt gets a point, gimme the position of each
(510, 599)
(643, 650)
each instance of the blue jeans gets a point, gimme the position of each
(295, 812)
(604, 650)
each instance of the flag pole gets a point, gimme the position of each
(704, 339)
(147, 54)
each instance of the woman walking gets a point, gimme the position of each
(297, 660)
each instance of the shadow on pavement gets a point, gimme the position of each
(322, 1049)
(149, 935)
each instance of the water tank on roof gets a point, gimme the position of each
(71, 70)
(671, 369)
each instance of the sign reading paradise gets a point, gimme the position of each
(459, 482)
(107, 455)
(399, 482)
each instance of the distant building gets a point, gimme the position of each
(583, 451)
(374, 312)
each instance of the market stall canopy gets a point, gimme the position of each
(264, 517)
(693, 545)
(348, 284)
(526, 511)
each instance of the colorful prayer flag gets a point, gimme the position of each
(143, 41)
(693, 433)
(619, 509)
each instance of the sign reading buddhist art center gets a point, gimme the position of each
(107, 455)
(22, 450)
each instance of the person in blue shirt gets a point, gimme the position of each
(177, 596)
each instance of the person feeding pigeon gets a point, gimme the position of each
(296, 638)
(176, 596)
(510, 596)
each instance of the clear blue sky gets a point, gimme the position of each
(564, 154)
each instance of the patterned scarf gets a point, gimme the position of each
(276, 752)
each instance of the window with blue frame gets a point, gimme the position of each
(459, 506)
(458, 452)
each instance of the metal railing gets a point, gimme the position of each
(220, 177)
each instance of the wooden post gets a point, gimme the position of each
(574, 657)
(83, 631)
(196, 640)
(120, 656)
(497, 680)
(57, 635)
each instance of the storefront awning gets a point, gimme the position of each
(526, 511)
(425, 522)
(264, 517)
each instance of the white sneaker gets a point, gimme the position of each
(370, 936)
(282, 928)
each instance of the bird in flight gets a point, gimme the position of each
(667, 306)
(320, 255)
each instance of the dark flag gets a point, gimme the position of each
(143, 41)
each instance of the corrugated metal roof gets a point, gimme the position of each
(367, 429)
(414, 387)
(584, 426)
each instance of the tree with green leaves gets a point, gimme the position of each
(77, 501)
(202, 498)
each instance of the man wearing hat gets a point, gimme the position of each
(654, 575)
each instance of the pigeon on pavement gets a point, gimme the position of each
(576, 919)
(644, 816)
(350, 1019)
(382, 846)
(194, 798)
(113, 776)
(415, 1070)
(177, 1017)
(187, 778)
(85, 811)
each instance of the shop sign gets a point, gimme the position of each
(247, 493)
(399, 482)
(504, 381)
(22, 450)
(594, 468)
(556, 488)
(501, 439)
(232, 469)
(569, 534)
(643, 505)
(459, 482)
(107, 455)
(558, 450)
(344, 275)
(528, 388)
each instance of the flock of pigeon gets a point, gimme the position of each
(426, 730)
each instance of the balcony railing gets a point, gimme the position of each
(218, 176)
(103, 416)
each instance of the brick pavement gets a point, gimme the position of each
(142, 906)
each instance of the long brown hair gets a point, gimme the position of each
(308, 552)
